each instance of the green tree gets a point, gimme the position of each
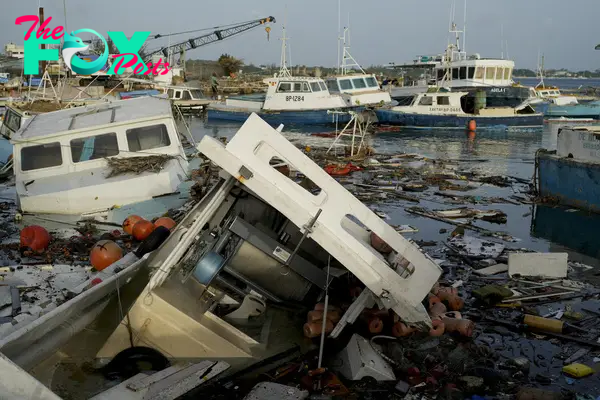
(229, 63)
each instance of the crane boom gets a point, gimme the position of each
(215, 36)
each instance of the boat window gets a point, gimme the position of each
(426, 101)
(443, 101)
(41, 156)
(295, 175)
(285, 87)
(93, 147)
(315, 86)
(454, 73)
(463, 73)
(507, 73)
(372, 82)
(177, 94)
(196, 93)
(148, 137)
(305, 87)
(345, 84)
(490, 73)
(12, 120)
(332, 85)
(187, 95)
(479, 72)
(500, 73)
(359, 83)
(322, 84)
(440, 74)
(471, 72)
(170, 93)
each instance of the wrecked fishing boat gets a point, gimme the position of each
(100, 160)
(455, 110)
(263, 237)
(570, 174)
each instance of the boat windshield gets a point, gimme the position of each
(12, 120)
(196, 93)
(332, 85)
(371, 82)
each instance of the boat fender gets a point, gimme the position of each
(132, 361)
(152, 242)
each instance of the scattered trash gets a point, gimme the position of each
(577, 370)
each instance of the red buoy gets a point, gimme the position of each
(472, 126)
(142, 229)
(130, 222)
(166, 222)
(104, 253)
(35, 237)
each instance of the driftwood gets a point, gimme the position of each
(137, 165)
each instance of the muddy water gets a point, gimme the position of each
(491, 153)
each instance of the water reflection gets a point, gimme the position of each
(569, 230)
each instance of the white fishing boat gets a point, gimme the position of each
(457, 70)
(455, 110)
(290, 100)
(354, 85)
(62, 159)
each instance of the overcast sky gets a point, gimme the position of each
(383, 31)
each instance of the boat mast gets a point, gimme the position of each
(464, 46)
(541, 71)
(339, 38)
(284, 72)
(348, 62)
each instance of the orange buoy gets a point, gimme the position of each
(166, 222)
(104, 253)
(35, 237)
(375, 325)
(437, 309)
(317, 315)
(472, 126)
(432, 299)
(129, 223)
(463, 326)
(142, 229)
(437, 329)
(313, 329)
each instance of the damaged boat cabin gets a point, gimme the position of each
(262, 236)
(61, 164)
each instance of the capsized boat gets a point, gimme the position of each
(291, 227)
(100, 160)
(289, 100)
(571, 174)
(454, 110)
(583, 110)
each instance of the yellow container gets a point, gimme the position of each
(543, 324)
(577, 370)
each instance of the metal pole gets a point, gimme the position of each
(324, 322)
(307, 230)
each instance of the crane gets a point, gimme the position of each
(215, 36)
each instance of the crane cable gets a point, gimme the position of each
(159, 36)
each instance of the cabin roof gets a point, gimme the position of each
(113, 112)
(292, 79)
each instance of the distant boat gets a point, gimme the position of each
(455, 110)
(458, 71)
(585, 110)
